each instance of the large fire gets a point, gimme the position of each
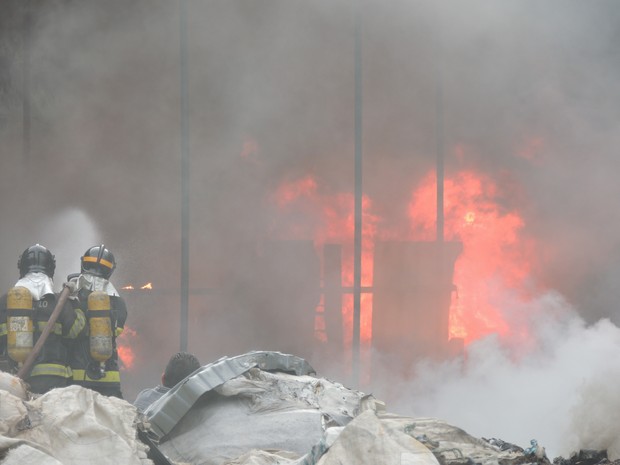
(494, 258)
(306, 211)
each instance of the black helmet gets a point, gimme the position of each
(98, 261)
(36, 258)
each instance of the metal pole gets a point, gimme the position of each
(440, 157)
(184, 178)
(357, 256)
(443, 320)
(439, 123)
(26, 76)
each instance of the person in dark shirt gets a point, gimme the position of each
(179, 367)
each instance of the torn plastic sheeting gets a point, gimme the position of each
(27, 455)
(449, 442)
(368, 440)
(277, 391)
(222, 428)
(261, 410)
(72, 425)
(264, 457)
(13, 384)
(168, 410)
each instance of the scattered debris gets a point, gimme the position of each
(260, 408)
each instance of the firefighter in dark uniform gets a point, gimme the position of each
(24, 312)
(94, 362)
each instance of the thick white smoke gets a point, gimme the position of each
(68, 235)
(560, 388)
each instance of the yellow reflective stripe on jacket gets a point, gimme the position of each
(109, 377)
(3, 329)
(78, 324)
(51, 369)
(57, 327)
(118, 332)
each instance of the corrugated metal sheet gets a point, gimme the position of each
(166, 412)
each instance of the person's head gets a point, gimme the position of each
(98, 261)
(179, 367)
(36, 258)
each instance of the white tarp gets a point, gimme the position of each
(260, 410)
(366, 440)
(69, 426)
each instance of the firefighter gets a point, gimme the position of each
(24, 312)
(94, 362)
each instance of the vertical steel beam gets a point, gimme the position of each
(357, 254)
(185, 156)
(26, 80)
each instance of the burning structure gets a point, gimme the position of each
(413, 288)
(89, 109)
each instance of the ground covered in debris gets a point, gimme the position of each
(261, 416)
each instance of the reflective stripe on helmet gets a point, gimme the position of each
(103, 261)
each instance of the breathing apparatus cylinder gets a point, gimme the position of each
(20, 327)
(100, 327)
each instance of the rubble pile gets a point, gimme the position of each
(72, 425)
(260, 408)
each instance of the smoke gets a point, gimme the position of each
(529, 97)
(558, 389)
(67, 234)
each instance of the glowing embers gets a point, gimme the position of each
(130, 287)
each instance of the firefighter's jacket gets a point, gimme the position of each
(81, 362)
(52, 362)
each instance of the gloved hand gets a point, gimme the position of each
(72, 285)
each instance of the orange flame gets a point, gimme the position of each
(123, 346)
(494, 258)
(288, 193)
(495, 253)
(130, 287)
(307, 211)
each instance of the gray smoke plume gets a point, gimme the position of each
(529, 97)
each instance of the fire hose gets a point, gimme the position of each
(27, 366)
(154, 453)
